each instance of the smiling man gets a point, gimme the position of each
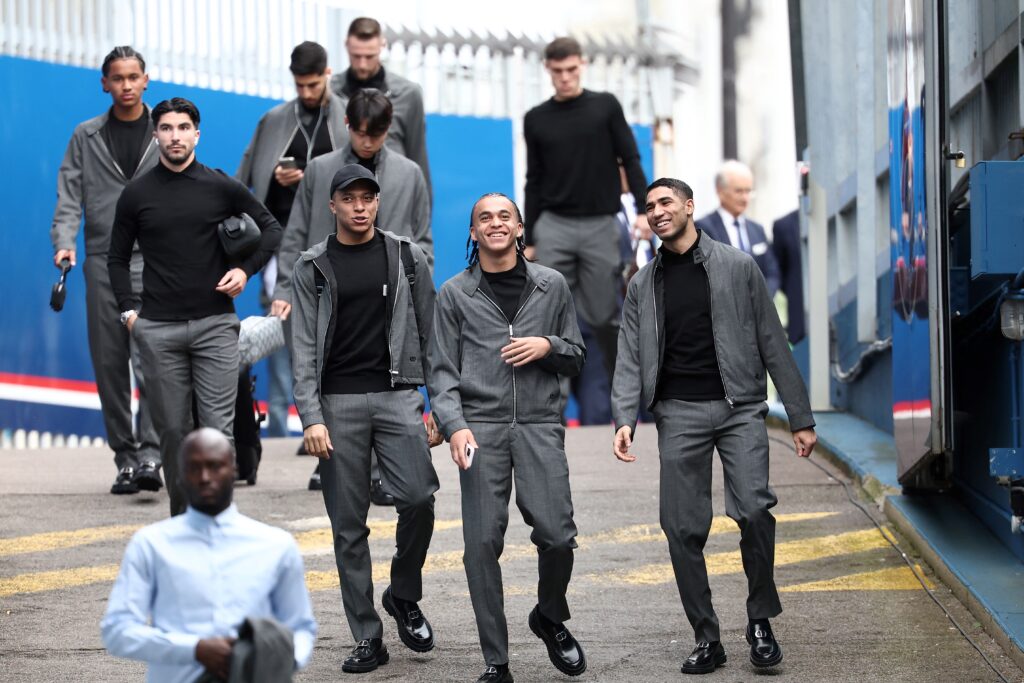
(187, 330)
(105, 153)
(698, 333)
(505, 332)
(186, 584)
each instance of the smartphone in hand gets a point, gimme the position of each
(287, 163)
(470, 452)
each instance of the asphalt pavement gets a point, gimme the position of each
(854, 610)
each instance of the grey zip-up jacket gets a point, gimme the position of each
(470, 382)
(748, 337)
(314, 315)
(90, 180)
(408, 132)
(273, 137)
(404, 208)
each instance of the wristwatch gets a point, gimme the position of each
(126, 316)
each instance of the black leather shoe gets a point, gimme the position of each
(413, 627)
(496, 674)
(366, 656)
(314, 480)
(764, 649)
(378, 496)
(563, 650)
(705, 658)
(124, 484)
(147, 477)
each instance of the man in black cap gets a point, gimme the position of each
(350, 291)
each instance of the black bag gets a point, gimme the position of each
(239, 235)
(248, 418)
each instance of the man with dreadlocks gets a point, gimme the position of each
(504, 332)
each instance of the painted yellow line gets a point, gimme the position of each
(892, 579)
(318, 541)
(790, 552)
(641, 533)
(60, 540)
(63, 578)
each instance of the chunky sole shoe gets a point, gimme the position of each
(148, 481)
(718, 661)
(124, 485)
(553, 654)
(383, 657)
(761, 663)
(389, 606)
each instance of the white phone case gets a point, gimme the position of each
(470, 452)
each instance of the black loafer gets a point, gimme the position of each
(147, 477)
(765, 651)
(314, 480)
(124, 482)
(413, 627)
(378, 496)
(366, 656)
(705, 658)
(496, 674)
(563, 650)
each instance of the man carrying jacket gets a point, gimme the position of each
(505, 331)
(698, 332)
(308, 126)
(104, 153)
(363, 308)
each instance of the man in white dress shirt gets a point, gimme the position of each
(187, 583)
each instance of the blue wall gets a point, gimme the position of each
(468, 157)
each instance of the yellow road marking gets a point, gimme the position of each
(640, 533)
(62, 578)
(789, 552)
(321, 540)
(892, 579)
(59, 540)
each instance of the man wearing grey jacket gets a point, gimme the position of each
(698, 332)
(505, 331)
(363, 308)
(104, 153)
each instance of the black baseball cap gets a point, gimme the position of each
(349, 174)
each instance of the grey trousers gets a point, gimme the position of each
(585, 250)
(533, 455)
(114, 357)
(181, 359)
(688, 433)
(391, 423)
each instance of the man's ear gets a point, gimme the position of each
(103, 84)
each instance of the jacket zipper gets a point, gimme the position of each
(323, 354)
(389, 319)
(510, 323)
(714, 337)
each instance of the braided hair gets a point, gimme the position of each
(121, 52)
(473, 249)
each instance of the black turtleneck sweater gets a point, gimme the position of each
(689, 370)
(354, 85)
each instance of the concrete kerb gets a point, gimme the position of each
(879, 494)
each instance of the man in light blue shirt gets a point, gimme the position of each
(187, 583)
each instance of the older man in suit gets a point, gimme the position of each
(728, 223)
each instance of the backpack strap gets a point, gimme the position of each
(408, 262)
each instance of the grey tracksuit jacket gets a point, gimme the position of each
(314, 316)
(748, 337)
(408, 133)
(90, 180)
(404, 207)
(273, 137)
(469, 381)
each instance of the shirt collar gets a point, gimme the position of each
(728, 219)
(201, 520)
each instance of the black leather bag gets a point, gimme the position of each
(239, 235)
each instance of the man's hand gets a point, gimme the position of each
(458, 447)
(280, 308)
(62, 254)
(621, 444)
(641, 228)
(233, 282)
(130, 323)
(317, 441)
(434, 436)
(530, 252)
(287, 177)
(215, 655)
(522, 350)
(805, 440)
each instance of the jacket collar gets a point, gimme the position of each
(350, 157)
(95, 125)
(701, 253)
(534, 273)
